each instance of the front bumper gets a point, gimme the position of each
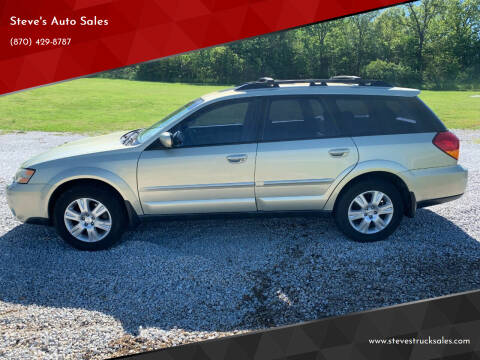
(437, 183)
(26, 202)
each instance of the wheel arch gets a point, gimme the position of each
(407, 196)
(94, 182)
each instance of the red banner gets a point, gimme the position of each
(48, 41)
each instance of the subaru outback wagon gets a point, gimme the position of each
(366, 151)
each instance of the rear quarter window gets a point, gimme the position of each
(384, 115)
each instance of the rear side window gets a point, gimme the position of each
(297, 118)
(383, 115)
(286, 111)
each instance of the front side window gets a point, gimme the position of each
(153, 130)
(297, 118)
(218, 124)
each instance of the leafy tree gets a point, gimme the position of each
(418, 22)
(429, 43)
(390, 72)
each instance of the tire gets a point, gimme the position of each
(87, 226)
(354, 224)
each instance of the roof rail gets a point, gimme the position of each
(267, 82)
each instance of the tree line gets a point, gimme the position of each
(432, 44)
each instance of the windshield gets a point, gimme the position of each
(147, 133)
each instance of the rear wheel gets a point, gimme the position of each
(369, 210)
(89, 218)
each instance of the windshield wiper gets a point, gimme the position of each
(129, 137)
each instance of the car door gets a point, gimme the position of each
(300, 155)
(211, 169)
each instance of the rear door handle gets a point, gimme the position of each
(338, 152)
(237, 158)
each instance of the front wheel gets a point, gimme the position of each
(89, 218)
(369, 211)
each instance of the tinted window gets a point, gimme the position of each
(286, 111)
(229, 114)
(221, 123)
(323, 123)
(408, 115)
(295, 118)
(377, 115)
(147, 133)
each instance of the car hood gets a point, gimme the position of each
(84, 146)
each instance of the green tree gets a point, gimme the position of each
(418, 23)
(429, 43)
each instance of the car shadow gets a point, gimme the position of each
(224, 274)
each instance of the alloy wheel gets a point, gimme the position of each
(370, 212)
(87, 220)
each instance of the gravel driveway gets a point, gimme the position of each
(172, 282)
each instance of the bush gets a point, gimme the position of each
(127, 72)
(390, 72)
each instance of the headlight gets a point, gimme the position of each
(23, 176)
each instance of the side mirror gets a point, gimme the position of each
(166, 139)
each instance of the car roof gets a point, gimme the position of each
(340, 85)
(310, 90)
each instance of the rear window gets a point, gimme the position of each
(381, 115)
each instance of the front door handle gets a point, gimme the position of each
(238, 158)
(338, 152)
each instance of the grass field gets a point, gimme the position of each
(95, 105)
(104, 105)
(457, 109)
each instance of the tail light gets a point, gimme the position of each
(448, 143)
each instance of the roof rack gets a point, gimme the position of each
(266, 82)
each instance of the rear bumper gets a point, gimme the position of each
(437, 185)
(438, 201)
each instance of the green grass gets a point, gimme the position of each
(104, 105)
(95, 105)
(457, 109)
